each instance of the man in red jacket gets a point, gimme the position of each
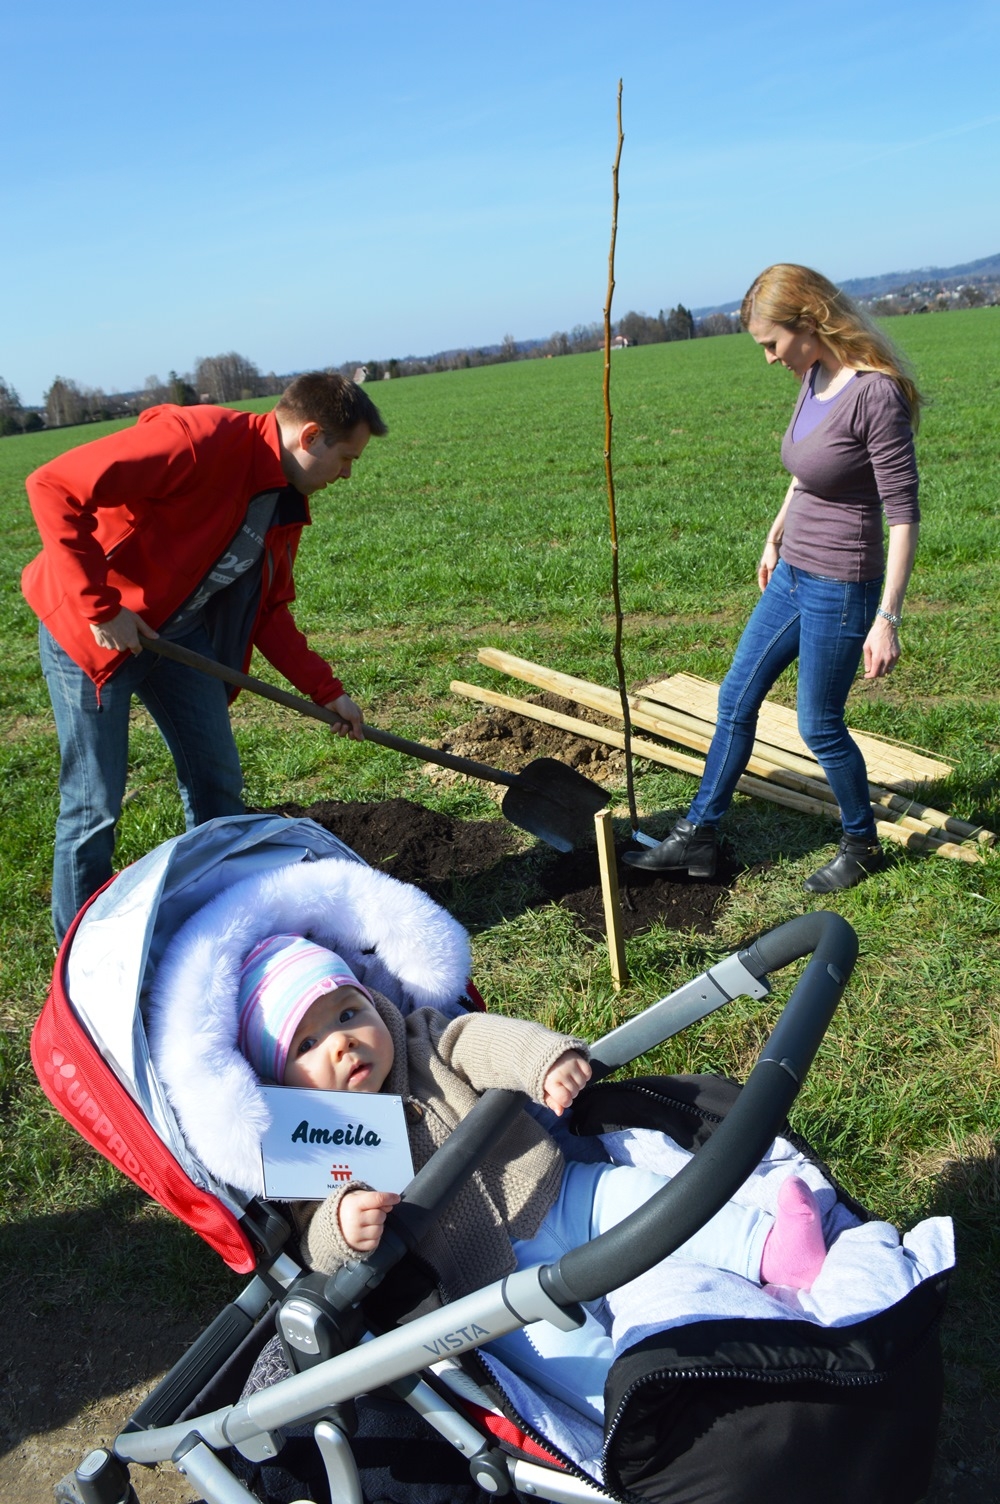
(184, 526)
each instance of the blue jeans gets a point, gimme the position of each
(592, 1198)
(192, 714)
(824, 624)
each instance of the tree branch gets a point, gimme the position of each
(609, 473)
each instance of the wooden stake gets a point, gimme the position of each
(612, 899)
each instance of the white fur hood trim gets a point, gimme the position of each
(395, 939)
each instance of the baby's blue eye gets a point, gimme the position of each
(306, 1045)
(346, 1014)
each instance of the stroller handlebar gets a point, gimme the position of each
(821, 934)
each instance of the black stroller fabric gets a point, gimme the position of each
(731, 1411)
(743, 1412)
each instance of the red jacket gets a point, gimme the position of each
(137, 519)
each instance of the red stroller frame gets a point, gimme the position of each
(319, 1317)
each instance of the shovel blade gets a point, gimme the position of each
(555, 803)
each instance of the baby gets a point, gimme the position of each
(305, 1020)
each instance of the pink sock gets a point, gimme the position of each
(794, 1249)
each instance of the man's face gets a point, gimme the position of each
(340, 1045)
(319, 461)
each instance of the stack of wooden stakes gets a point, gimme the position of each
(682, 710)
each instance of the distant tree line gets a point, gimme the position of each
(234, 378)
(636, 328)
(215, 378)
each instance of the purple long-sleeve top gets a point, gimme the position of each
(856, 464)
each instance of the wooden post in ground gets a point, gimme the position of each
(612, 900)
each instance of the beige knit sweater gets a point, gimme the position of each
(439, 1070)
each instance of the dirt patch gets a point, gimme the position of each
(412, 843)
(482, 871)
(462, 863)
(70, 1381)
(680, 903)
(507, 741)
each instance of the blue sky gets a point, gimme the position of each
(310, 183)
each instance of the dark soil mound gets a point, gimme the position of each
(413, 843)
(477, 869)
(474, 868)
(680, 903)
(507, 740)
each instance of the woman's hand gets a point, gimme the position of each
(881, 649)
(768, 564)
(882, 643)
(769, 558)
(362, 1216)
(564, 1080)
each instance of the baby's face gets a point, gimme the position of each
(340, 1045)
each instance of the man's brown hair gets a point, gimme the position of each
(329, 399)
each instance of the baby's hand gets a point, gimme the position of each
(362, 1216)
(564, 1080)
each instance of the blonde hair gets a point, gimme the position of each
(796, 295)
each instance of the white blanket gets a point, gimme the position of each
(868, 1268)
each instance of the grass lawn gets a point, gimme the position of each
(482, 519)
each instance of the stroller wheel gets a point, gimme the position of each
(100, 1479)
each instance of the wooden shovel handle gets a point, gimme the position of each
(240, 680)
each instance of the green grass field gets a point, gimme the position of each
(482, 519)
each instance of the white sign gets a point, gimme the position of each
(319, 1140)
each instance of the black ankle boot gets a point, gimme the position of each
(857, 856)
(688, 848)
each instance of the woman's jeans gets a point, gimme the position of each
(824, 624)
(592, 1198)
(192, 714)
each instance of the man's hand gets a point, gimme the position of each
(123, 633)
(564, 1080)
(351, 720)
(881, 649)
(362, 1216)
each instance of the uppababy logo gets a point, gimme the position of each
(60, 1069)
(62, 1073)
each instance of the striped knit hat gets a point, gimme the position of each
(279, 981)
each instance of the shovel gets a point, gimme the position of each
(547, 798)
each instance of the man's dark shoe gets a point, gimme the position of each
(693, 849)
(856, 858)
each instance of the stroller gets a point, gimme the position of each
(704, 1402)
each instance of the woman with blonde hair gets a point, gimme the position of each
(830, 592)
